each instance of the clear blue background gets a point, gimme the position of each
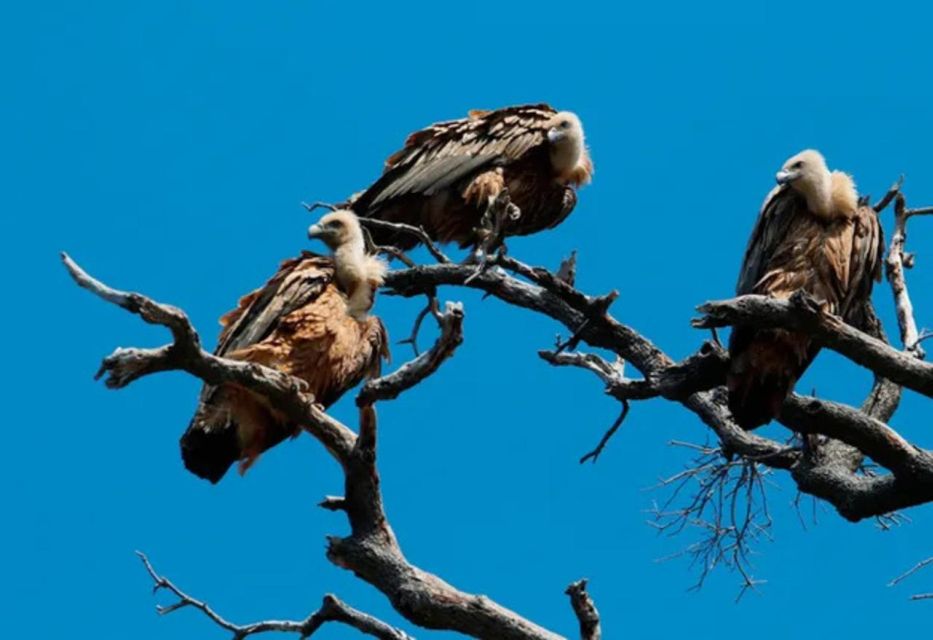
(167, 147)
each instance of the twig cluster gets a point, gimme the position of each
(727, 506)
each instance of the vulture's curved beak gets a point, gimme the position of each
(554, 135)
(316, 231)
(785, 177)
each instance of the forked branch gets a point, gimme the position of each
(371, 551)
(332, 610)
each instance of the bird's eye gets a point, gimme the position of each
(565, 124)
(797, 165)
(335, 224)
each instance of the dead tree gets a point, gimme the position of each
(825, 454)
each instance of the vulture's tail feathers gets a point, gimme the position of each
(231, 425)
(763, 373)
(211, 443)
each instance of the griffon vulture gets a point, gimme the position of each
(812, 235)
(447, 175)
(311, 321)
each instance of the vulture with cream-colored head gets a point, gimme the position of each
(811, 235)
(447, 175)
(311, 320)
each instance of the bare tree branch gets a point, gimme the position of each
(371, 551)
(595, 453)
(872, 437)
(411, 373)
(332, 610)
(585, 608)
(889, 196)
(895, 264)
(802, 313)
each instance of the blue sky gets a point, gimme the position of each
(168, 145)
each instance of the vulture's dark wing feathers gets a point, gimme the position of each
(775, 219)
(259, 313)
(438, 156)
(865, 264)
(864, 269)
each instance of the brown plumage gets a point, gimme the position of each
(811, 235)
(310, 321)
(446, 175)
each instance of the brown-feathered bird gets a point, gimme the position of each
(448, 174)
(311, 321)
(812, 235)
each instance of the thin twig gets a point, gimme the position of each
(917, 567)
(332, 610)
(417, 232)
(595, 453)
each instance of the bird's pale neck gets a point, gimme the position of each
(566, 155)
(844, 195)
(349, 264)
(817, 190)
(358, 275)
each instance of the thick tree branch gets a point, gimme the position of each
(332, 610)
(872, 437)
(802, 313)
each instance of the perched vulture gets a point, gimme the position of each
(446, 175)
(311, 321)
(812, 235)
